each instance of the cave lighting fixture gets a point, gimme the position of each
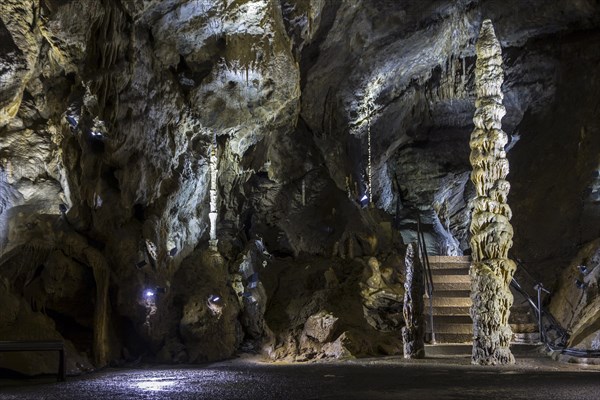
(72, 121)
(151, 293)
(364, 201)
(141, 264)
(583, 269)
(580, 285)
(214, 298)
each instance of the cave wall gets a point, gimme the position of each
(108, 109)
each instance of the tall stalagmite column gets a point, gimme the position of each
(212, 215)
(491, 232)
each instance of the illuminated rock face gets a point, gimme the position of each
(491, 231)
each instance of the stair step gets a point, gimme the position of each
(448, 349)
(441, 286)
(449, 311)
(450, 302)
(449, 259)
(452, 337)
(526, 338)
(452, 293)
(450, 319)
(525, 328)
(450, 267)
(451, 279)
(449, 271)
(451, 328)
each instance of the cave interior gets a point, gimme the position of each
(183, 181)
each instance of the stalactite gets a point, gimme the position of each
(491, 232)
(369, 165)
(213, 196)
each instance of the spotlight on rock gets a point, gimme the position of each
(173, 251)
(72, 121)
(253, 281)
(152, 292)
(62, 208)
(364, 201)
(141, 264)
(213, 298)
(580, 285)
(583, 269)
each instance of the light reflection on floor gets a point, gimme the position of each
(432, 378)
(154, 384)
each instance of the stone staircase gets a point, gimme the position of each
(452, 302)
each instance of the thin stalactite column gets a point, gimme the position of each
(491, 232)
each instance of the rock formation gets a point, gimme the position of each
(413, 334)
(382, 298)
(491, 231)
(576, 302)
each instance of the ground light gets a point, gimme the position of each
(152, 292)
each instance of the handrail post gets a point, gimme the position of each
(539, 287)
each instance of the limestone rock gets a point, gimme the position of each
(208, 317)
(320, 327)
(20, 322)
(576, 304)
(382, 299)
(312, 321)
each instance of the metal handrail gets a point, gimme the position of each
(427, 272)
(540, 312)
(560, 342)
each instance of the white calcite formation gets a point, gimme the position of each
(212, 215)
(491, 231)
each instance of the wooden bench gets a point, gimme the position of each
(40, 346)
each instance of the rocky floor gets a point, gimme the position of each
(439, 376)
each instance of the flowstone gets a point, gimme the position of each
(491, 231)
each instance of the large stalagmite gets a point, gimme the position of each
(491, 231)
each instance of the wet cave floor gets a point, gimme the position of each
(439, 376)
